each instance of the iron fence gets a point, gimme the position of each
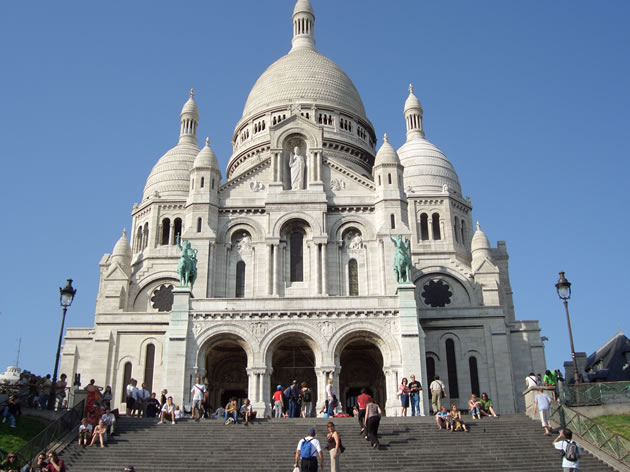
(53, 433)
(599, 393)
(596, 434)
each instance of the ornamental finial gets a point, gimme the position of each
(410, 88)
(192, 93)
(207, 141)
(124, 235)
(385, 138)
(478, 226)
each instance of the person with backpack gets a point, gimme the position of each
(307, 400)
(292, 394)
(570, 450)
(308, 449)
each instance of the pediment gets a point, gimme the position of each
(486, 267)
(339, 180)
(252, 183)
(116, 272)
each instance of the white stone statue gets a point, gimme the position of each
(356, 242)
(297, 164)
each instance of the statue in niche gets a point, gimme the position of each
(245, 243)
(354, 241)
(402, 259)
(187, 265)
(297, 164)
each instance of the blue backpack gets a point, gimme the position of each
(305, 450)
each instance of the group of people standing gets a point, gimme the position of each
(409, 393)
(296, 401)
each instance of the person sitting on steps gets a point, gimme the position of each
(231, 412)
(168, 411)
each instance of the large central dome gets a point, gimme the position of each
(304, 75)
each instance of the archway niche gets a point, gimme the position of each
(361, 367)
(226, 371)
(293, 358)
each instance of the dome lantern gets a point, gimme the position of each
(303, 23)
(189, 120)
(413, 115)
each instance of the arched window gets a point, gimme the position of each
(474, 375)
(435, 224)
(463, 233)
(203, 182)
(424, 226)
(166, 231)
(126, 380)
(149, 362)
(456, 229)
(430, 369)
(212, 184)
(392, 221)
(177, 229)
(379, 180)
(145, 236)
(389, 179)
(199, 223)
(297, 256)
(139, 239)
(240, 279)
(451, 367)
(353, 278)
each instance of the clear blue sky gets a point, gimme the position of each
(529, 100)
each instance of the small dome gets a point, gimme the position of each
(170, 177)
(190, 107)
(412, 101)
(122, 248)
(303, 6)
(386, 154)
(426, 168)
(480, 241)
(206, 158)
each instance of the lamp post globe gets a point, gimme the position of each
(66, 296)
(563, 287)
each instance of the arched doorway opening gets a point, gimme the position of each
(361, 367)
(293, 358)
(226, 371)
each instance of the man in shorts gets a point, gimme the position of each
(542, 403)
(199, 392)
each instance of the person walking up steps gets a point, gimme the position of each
(308, 449)
(438, 390)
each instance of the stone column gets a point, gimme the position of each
(265, 397)
(382, 254)
(322, 381)
(174, 376)
(318, 261)
(269, 269)
(392, 404)
(324, 270)
(210, 280)
(172, 235)
(276, 272)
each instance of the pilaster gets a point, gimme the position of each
(175, 345)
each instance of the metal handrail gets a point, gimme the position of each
(598, 393)
(52, 433)
(611, 443)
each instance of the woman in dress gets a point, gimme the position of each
(372, 420)
(93, 395)
(403, 392)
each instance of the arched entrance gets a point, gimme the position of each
(293, 358)
(361, 367)
(226, 371)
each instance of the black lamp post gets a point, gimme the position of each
(563, 288)
(66, 295)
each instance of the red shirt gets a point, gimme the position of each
(362, 400)
(277, 396)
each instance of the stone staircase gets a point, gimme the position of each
(508, 443)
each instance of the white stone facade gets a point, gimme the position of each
(296, 280)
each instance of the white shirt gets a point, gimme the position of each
(198, 390)
(436, 386)
(108, 419)
(87, 427)
(169, 408)
(246, 408)
(314, 444)
(562, 446)
(330, 390)
(532, 382)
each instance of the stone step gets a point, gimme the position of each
(511, 442)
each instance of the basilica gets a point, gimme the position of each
(295, 243)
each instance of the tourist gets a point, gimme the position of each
(131, 395)
(220, 413)
(330, 393)
(372, 420)
(11, 410)
(100, 432)
(107, 397)
(549, 380)
(143, 397)
(93, 395)
(403, 393)
(292, 393)
(414, 395)
(60, 391)
(542, 403)
(362, 401)
(178, 413)
(54, 463)
(539, 380)
(474, 407)
(308, 449)
(44, 393)
(168, 411)
(307, 400)
(153, 406)
(334, 447)
(85, 432)
(486, 406)
(531, 381)
(10, 463)
(562, 443)
(441, 418)
(94, 415)
(109, 420)
(247, 412)
(455, 421)
(438, 391)
(278, 402)
(231, 412)
(199, 392)
(163, 397)
(40, 464)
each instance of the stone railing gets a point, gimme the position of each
(600, 393)
(605, 441)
